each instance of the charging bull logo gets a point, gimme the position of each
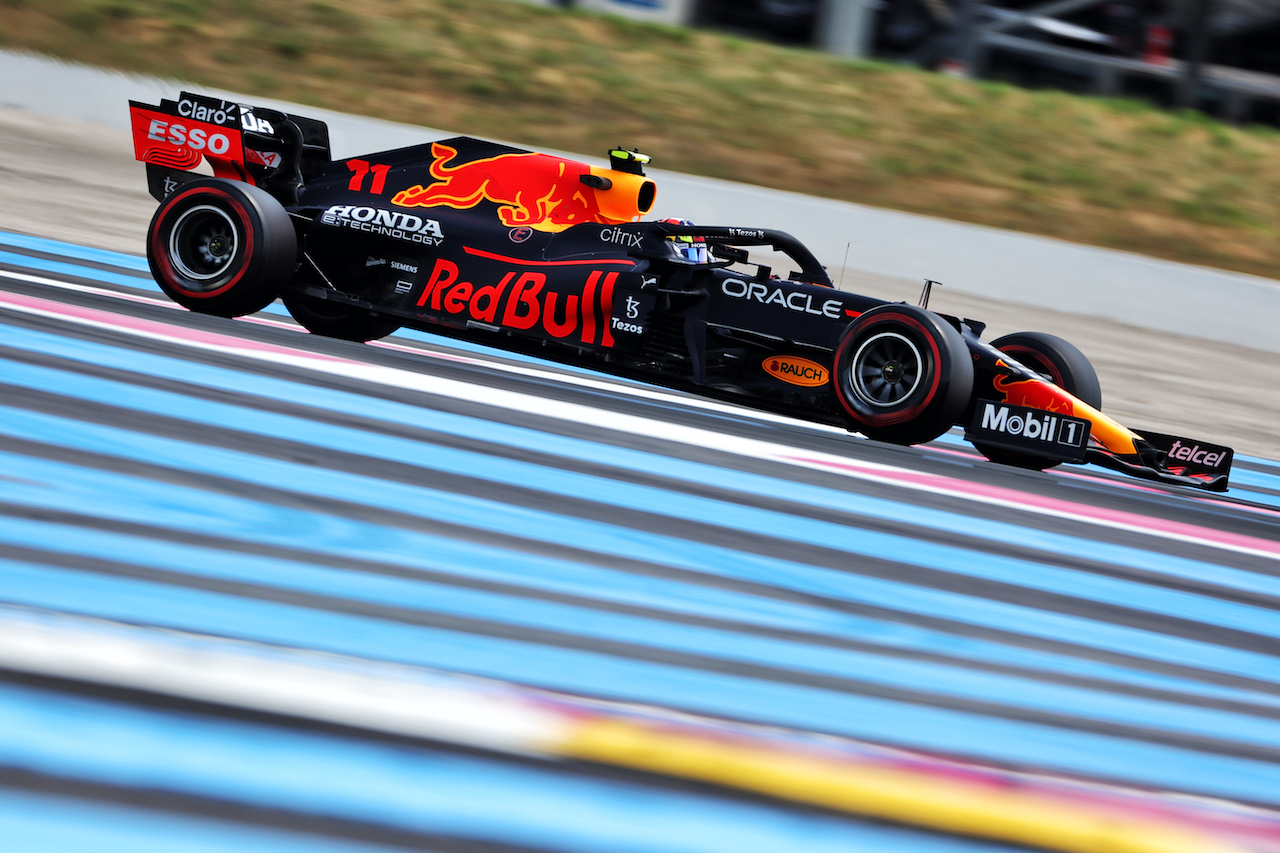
(534, 190)
(1035, 394)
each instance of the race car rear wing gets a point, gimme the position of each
(269, 148)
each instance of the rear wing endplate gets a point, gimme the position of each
(180, 134)
(256, 145)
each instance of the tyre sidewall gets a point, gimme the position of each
(1065, 365)
(944, 387)
(263, 257)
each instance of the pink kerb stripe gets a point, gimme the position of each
(157, 329)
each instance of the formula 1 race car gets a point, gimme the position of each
(534, 252)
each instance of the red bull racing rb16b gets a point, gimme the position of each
(533, 252)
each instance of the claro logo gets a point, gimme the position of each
(796, 370)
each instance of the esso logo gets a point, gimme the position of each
(196, 138)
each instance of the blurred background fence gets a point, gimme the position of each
(1219, 56)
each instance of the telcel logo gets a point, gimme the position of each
(1194, 454)
(796, 370)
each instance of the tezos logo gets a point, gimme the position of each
(385, 223)
(796, 370)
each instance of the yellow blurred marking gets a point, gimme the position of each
(1000, 812)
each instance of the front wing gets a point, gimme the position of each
(1065, 429)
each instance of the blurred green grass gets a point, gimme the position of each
(1109, 172)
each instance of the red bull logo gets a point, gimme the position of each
(1035, 394)
(522, 301)
(532, 190)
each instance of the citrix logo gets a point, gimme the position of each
(629, 239)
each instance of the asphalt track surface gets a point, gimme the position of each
(445, 506)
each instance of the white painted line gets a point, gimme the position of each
(311, 685)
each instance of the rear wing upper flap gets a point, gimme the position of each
(242, 142)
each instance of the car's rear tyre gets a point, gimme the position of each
(334, 320)
(1062, 364)
(221, 247)
(902, 374)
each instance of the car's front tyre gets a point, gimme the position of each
(1063, 364)
(902, 374)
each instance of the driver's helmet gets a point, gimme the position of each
(690, 248)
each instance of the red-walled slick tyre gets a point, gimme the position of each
(1063, 365)
(221, 247)
(902, 374)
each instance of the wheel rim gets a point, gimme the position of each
(202, 245)
(886, 370)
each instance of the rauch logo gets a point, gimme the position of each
(796, 370)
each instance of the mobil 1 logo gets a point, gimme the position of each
(1032, 431)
